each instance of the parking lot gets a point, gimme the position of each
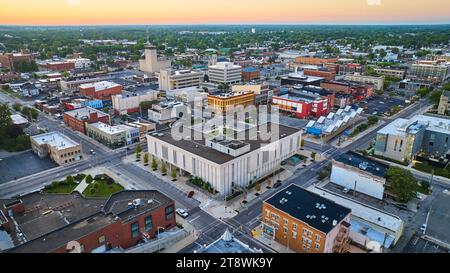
(419, 245)
(439, 218)
(380, 105)
(23, 164)
(292, 122)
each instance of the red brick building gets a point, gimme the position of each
(358, 90)
(250, 73)
(7, 60)
(72, 223)
(328, 75)
(100, 90)
(314, 60)
(77, 119)
(58, 66)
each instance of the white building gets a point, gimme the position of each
(370, 227)
(165, 112)
(225, 72)
(127, 103)
(169, 79)
(359, 173)
(151, 62)
(226, 163)
(81, 63)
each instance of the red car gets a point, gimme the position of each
(190, 194)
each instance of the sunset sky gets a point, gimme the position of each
(91, 12)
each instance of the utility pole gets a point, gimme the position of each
(354, 189)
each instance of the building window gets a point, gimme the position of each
(169, 213)
(308, 248)
(317, 238)
(101, 239)
(294, 226)
(317, 246)
(148, 223)
(304, 247)
(285, 230)
(134, 230)
(294, 234)
(285, 221)
(305, 232)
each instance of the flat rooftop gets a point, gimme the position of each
(71, 216)
(100, 86)
(401, 127)
(363, 163)
(365, 212)
(439, 220)
(110, 129)
(56, 140)
(18, 119)
(198, 147)
(83, 113)
(308, 207)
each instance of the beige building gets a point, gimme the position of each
(444, 103)
(430, 69)
(169, 79)
(151, 63)
(263, 94)
(58, 147)
(113, 136)
(377, 82)
(391, 72)
(127, 102)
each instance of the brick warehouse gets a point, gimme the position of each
(306, 222)
(48, 222)
(77, 119)
(100, 90)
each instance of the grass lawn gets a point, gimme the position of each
(426, 167)
(100, 188)
(60, 187)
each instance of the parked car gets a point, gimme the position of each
(190, 194)
(277, 184)
(345, 190)
(283, 163)
(183, 213)
(423, 228)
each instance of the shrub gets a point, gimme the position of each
(89, 179)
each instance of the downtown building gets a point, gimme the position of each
(150, 62)
(78, 118)
(169, 79)
(377, 82)
(61, 149)
(306, 222)
(219, 157)
(128, 103)
(62, 223)
(113, 136)
(225, 72)
(102, 90)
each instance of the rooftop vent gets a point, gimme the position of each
(136, 202)
(334, 223)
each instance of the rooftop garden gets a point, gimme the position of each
(102, 186)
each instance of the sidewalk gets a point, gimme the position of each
(279, 248)
(350, 140)
(192, 237)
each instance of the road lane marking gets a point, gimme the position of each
(198, 216)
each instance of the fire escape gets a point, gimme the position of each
(342, 240)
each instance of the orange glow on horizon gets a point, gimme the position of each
(92, 12)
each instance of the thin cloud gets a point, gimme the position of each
(73, 3)
(373, 2)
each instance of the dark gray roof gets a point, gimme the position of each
(308, 207)
(198, 146)
(74, 216)
(363, 163)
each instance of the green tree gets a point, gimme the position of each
(302, 143)
(163, 167)
(435, 96)
(17, 107)
(145, 159)
(313, 156)
(174, 173)
(70, 179)
(402, 184)
(372, 120)
(258, 187)
(89, 179)
(154, 163)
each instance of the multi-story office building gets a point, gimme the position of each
(151, 63)
(250, 73)
(358, 91)
(306, 222)
(113, 136)
(61, 223)
(225, 72)
(228, 163)
(299, 78)
(170, 79)
(263, 95)
(443, 106)
(377, 82)
(403, 139)
(222, 102)
(76, 119)
(166, 111)
(128, 103)
(100, 90)
(57, 146)
(430, 69)
(314, 60)
(9, 60)
(358, 173)
(391, 72)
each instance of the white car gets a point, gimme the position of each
(423, 228)
(345, 190)
(183, 213)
